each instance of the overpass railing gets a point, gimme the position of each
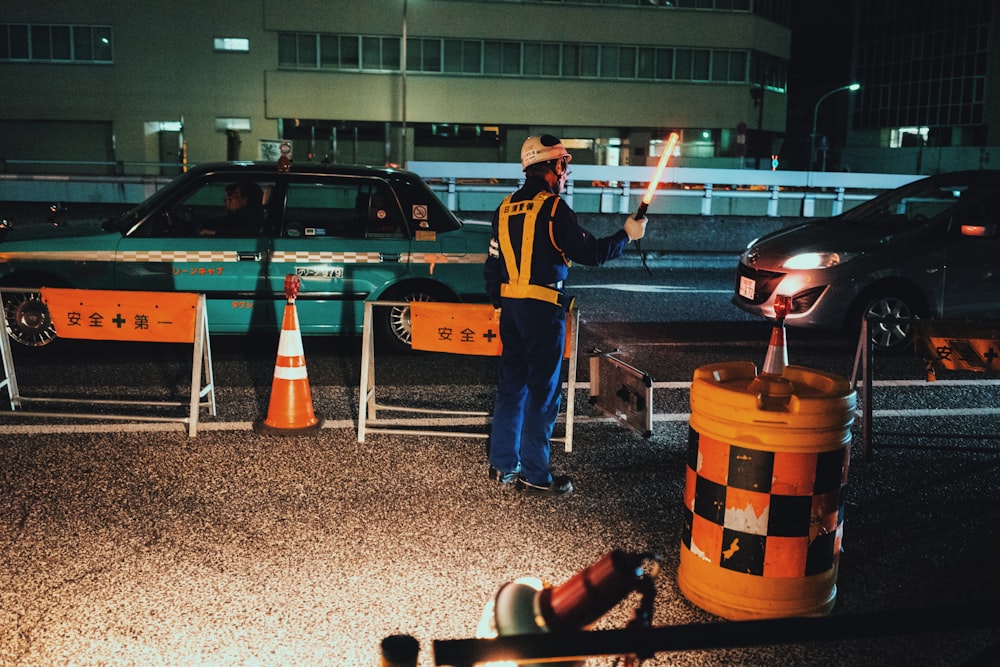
(479, 186)
(467, 186)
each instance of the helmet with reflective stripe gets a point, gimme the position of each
(542, 148)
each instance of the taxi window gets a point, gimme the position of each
(231, 209)
(322, 209)
(382, 215)
(349, 208)
(209, 210)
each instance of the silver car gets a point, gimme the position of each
(928, 249)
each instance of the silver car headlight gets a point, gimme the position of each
(818, 260)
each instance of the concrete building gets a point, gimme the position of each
(130, 86)
(930, 86)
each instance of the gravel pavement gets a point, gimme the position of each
(235, 548)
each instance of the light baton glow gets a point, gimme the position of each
(657, 175)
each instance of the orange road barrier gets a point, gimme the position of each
(444, 327)
(122, 315)
(162, 317)
(450, 328)
(290, 410)
(468, 328)
(764, 491)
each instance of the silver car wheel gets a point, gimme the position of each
(889, 323)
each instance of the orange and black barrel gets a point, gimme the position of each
(766, 472)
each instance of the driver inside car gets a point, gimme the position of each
(244, 212)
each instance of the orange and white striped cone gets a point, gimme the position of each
(773, 389)
(777, 353)
(290, 411)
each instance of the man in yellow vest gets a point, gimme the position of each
(536, 236)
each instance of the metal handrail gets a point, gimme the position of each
(474, 186)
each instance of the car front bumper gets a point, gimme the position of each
(815, 300)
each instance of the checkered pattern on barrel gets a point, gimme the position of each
(764, 513)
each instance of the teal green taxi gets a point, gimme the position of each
(351, 234)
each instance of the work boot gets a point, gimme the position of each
(559, 486)
(504, 478)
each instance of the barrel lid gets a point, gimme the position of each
(742, 376)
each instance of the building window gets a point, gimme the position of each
(511, 59)
(587, 65)
(423, 55)
(550, 60)
(908, 136)
(687, 67)
(350, 53)
(43, 43)
(729, 66)
(778, 11)
(297, 50)
(380, 54)
(474, 57)
(768, 71)
(232, 44)
(610, 62)
(929, 73)
(570, 61)
(237, 124)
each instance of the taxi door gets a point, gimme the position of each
(173, 250)
(343, 237)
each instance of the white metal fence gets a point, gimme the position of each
(600, 189)
(476, 186)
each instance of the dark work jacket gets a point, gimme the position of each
(552, 253)
(241, 223)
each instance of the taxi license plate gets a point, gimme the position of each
(748, 286)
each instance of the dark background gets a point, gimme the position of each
(821, 61)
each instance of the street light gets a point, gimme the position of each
(403, 62)
(402, 58)
(812, 137)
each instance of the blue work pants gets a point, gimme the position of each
(529, 389)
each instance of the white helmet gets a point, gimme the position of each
(542, 148)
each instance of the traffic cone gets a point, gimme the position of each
(777, 353)
(772, 388)
(290, 411)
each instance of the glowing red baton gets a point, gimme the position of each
(657, 175)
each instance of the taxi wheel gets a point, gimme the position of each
(396, 329)
(397, 322)
(28, 320)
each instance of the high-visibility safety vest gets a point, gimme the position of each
(519, 276)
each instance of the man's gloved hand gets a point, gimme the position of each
(635, 229)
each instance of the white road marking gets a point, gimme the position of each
(646, 288)
(132, 427)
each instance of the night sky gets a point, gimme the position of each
(821, 61)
